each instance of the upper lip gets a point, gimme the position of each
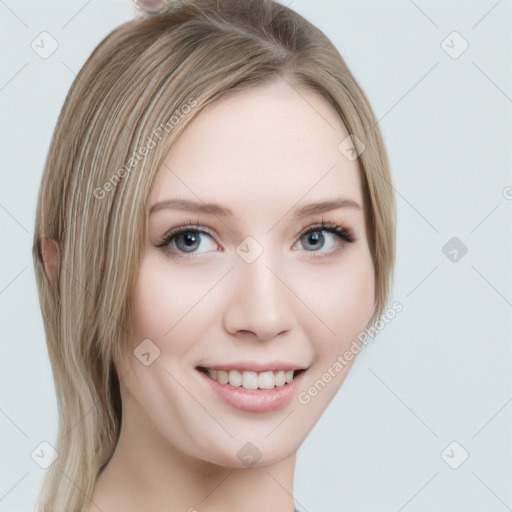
(253, 366)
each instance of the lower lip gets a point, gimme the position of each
(257, 400)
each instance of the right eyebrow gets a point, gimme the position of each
(185, 204)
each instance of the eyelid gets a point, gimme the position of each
(344, 232)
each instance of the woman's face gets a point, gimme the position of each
(254, 291)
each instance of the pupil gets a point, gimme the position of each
(190, 239)
(315, 238)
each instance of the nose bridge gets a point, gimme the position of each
(260, 279)
(259, 301)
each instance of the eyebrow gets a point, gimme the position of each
(216, 209)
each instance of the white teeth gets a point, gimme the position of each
(222, 376)
(252, 380)
(279, 379)
(266, 380)
(235, 378)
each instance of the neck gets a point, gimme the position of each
(147, 473)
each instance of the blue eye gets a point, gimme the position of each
(316, 239)
(189, 240)
(185, 239)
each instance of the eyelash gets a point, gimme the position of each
(343, 233)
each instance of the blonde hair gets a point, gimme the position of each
(148, 76)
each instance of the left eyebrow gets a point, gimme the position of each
(215, 209)
(325, 206)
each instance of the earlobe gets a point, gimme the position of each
(49, 254)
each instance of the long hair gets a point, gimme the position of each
(133, 97)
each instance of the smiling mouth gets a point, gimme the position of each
(251, 380)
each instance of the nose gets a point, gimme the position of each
(258, 304)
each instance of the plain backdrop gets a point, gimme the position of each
(434, 388)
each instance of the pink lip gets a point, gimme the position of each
(252, 366)
(258, 400)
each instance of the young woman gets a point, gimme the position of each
(215, 228)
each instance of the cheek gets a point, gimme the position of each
(172, 305)
(344, 301)
(153, 304)
(164, 300)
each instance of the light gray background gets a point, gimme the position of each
(441, 370)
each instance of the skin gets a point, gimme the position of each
(262, 153)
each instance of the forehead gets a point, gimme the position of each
(269, 145)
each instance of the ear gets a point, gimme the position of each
(49, 254)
